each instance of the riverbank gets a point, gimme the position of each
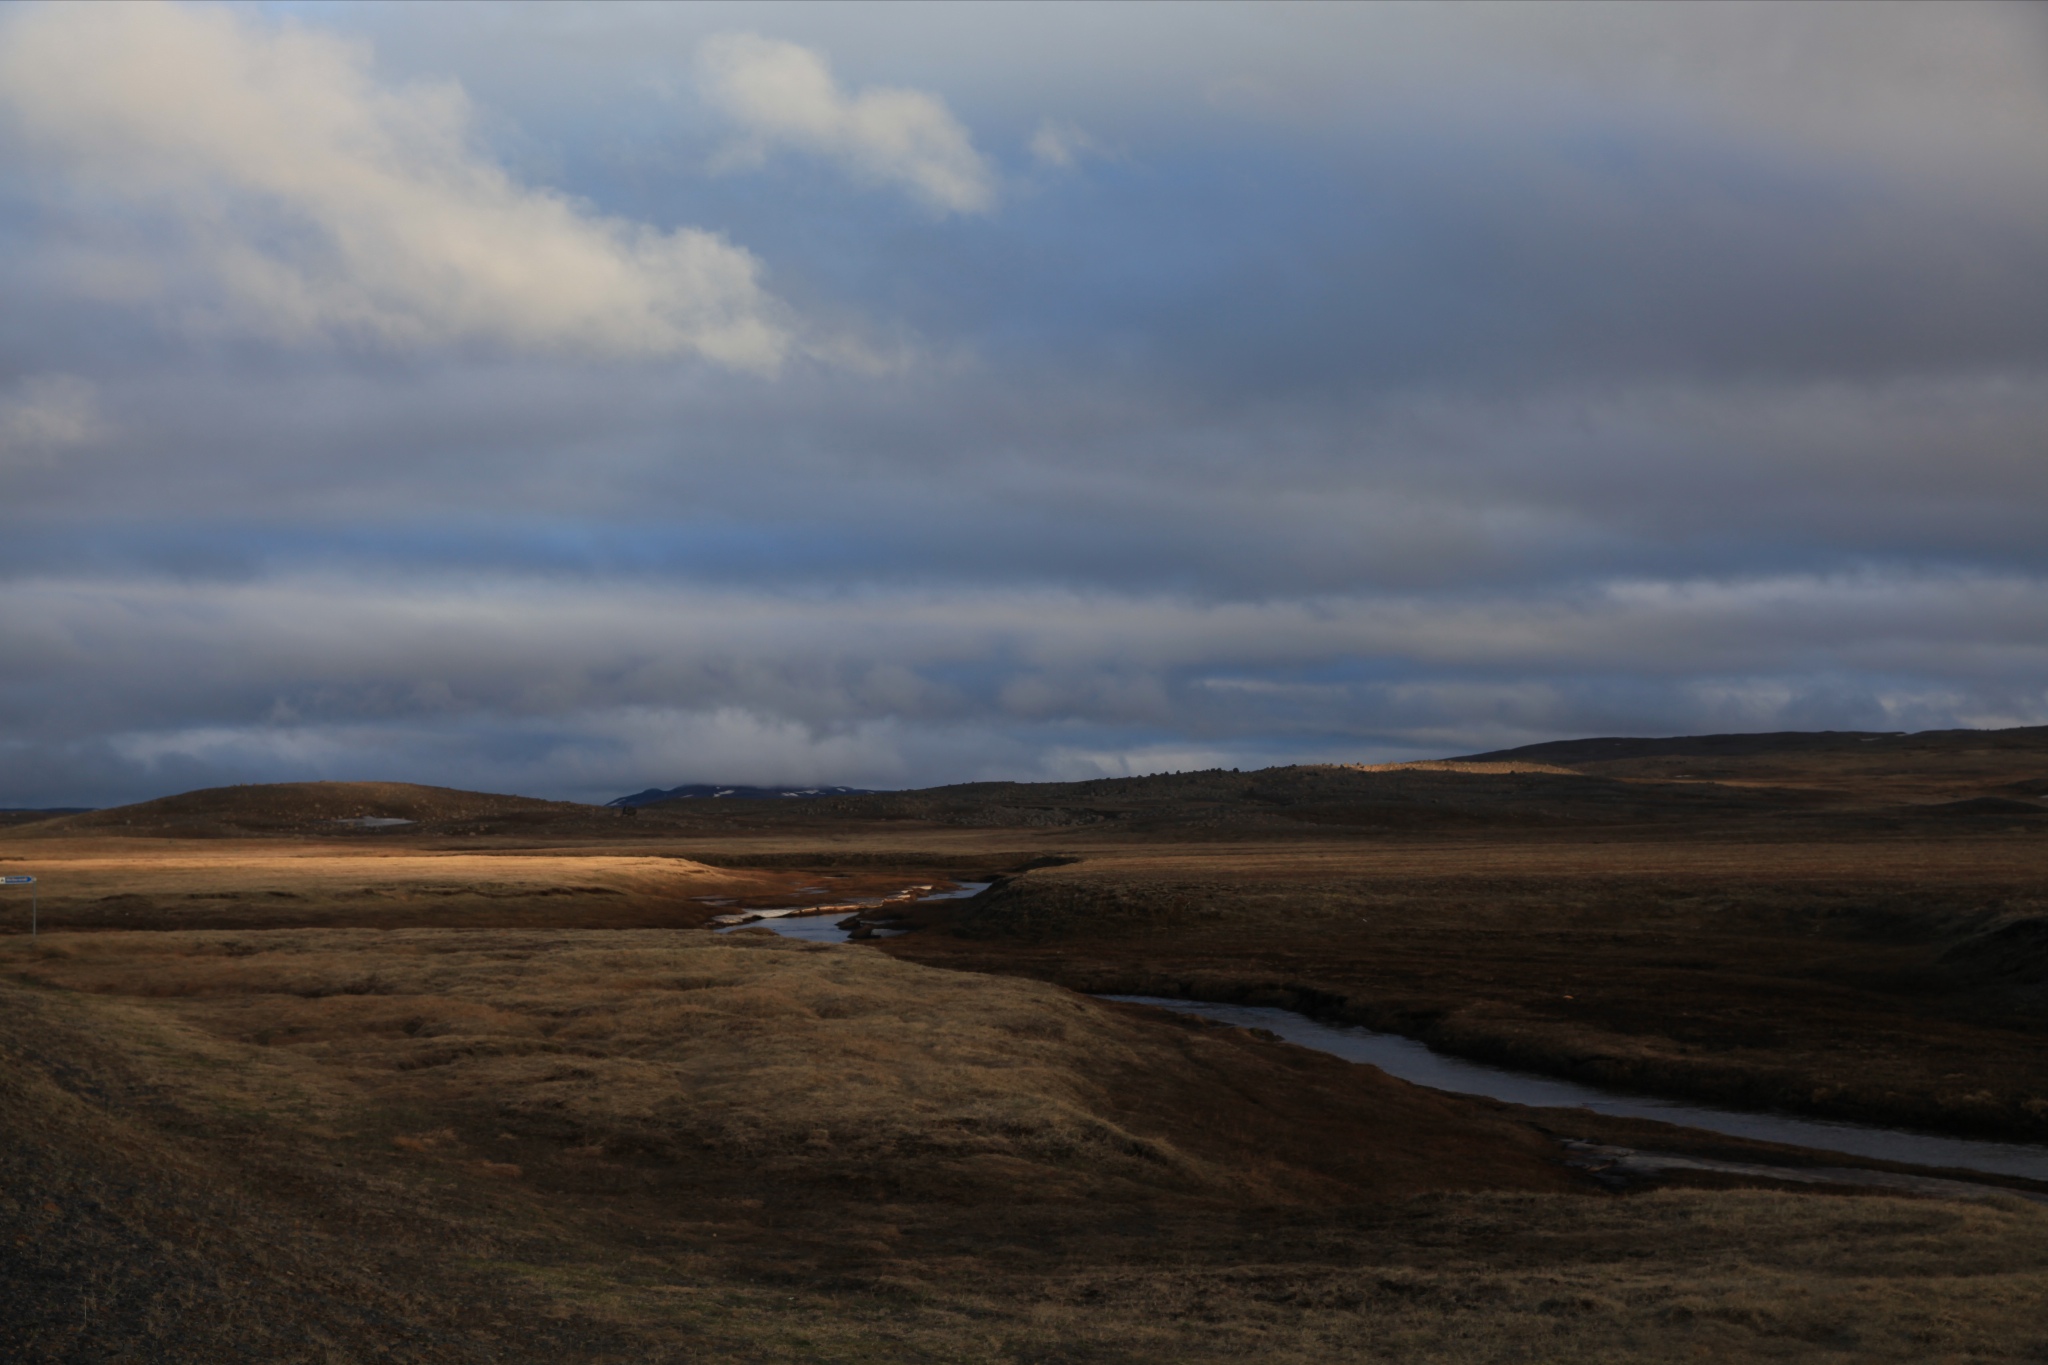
(1764, 1141)
(1871, 982)
(447, 1147)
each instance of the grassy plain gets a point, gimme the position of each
(1899, 981)
(477, 1088)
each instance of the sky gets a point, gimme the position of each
(568, 399)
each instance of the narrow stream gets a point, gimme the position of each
(1413, 1061)
(796, 922)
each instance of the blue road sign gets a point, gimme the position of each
(15, 881)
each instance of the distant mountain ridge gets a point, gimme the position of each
(710, 791)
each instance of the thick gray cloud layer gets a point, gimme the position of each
(566, 399)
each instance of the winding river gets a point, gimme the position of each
(1413, 1061)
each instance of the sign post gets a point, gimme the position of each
(30, 883)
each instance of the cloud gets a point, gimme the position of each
(781, 94)
(597, 688)
(45, 415)
(1059, 145)
(1464, 376)
(1955, 87)
(258, 178)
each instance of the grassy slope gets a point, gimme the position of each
(303, 1146)
(433, 1146)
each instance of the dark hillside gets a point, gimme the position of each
(301, 808)
(711, 791)
(1574, 752)
(23, 815)
(1860, 768)
(1272, 802)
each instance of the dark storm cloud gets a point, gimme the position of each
(1349, 382)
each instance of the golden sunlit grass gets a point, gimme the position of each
(135, 884)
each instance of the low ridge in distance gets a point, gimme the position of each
(711, 791)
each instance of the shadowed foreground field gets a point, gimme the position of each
(497, 1145)
(479, 1087)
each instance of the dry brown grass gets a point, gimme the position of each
(436, 1146)
(511, 1138)
(1898, 983)
(811, 1061)
(164, 884)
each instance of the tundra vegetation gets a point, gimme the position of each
(480, 1086)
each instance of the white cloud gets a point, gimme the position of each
(781, 94)
(1059, 144)
(284, 191)
(47, 414)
